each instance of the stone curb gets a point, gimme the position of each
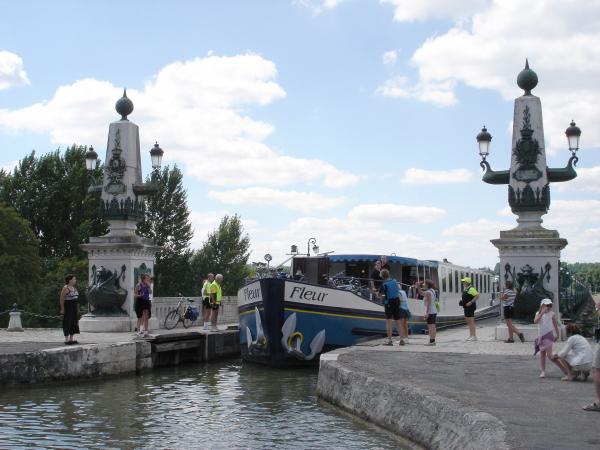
(422, 417)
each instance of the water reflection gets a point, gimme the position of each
(216, 405)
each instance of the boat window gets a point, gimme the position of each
(456, 281)
(443, 279)
(450, 284)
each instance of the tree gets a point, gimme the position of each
(19, 261)
(50, 192)
(226, 252)
(167, 223)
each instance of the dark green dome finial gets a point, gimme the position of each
(527, 79)
(124, 106)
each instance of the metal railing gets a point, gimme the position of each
(228, 312)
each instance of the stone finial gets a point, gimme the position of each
(527, 79)
(124, 106)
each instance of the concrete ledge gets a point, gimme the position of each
(422, 417)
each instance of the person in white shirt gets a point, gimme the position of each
(576, 357)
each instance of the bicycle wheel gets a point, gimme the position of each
(172, 319)
(187, 323)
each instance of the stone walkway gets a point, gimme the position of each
(487, 376)
(35, 339)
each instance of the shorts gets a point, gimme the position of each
(596, 360)
(404, 313)
(582, 368)
(140, 305)
(392, 309)
(215, 306)
(206, 302)
(508, 312)
(431, 319)
(470, 310)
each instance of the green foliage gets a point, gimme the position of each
(19, 260)
(167, 223)
(225, 252)
(586, 273)
(50, 192)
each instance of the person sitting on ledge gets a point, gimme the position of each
(576, 357)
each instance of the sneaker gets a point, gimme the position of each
(206, 326)
(521, 337)
(510, 341)
(389, 342)
(146, 334)
(470, 338)
(214, 328)
(429, 344)
(542, 374)
(401, 342)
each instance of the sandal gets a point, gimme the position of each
(592, 407)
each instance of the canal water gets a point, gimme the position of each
(221, 405)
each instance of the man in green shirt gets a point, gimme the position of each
(215, 300)
(206, 309)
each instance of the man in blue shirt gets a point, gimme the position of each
(390, 294)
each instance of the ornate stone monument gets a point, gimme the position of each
(117, 259)
(529, 253)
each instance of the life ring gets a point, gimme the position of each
(294, 335)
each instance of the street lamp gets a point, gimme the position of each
(484, 139)
(315, 247)
(156, 154)
(573, 133)
(91, 157)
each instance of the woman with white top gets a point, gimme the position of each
(576, 356)
(547, 333)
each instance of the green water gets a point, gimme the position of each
(222, 405)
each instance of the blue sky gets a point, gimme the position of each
(350, 121)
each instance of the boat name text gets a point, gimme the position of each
(304, 294)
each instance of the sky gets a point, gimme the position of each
(349, 121)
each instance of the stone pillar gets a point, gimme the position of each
(529, 253)
(117, 259)
(14, 322)
(530, 258)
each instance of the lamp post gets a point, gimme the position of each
(315, 247)
(156, 154)
(529, 254)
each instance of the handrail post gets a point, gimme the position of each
(14, 323)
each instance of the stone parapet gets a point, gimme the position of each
(423, 417)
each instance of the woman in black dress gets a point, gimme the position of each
(69, 306)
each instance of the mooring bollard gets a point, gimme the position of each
(14, 323)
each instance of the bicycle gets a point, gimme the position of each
(182, 313)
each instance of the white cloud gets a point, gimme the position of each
(481, 229)
(411, 10)
(588, 180)
(205, 222)
(318, 6)
(440, 94)
(298, 201)
(390, 212)
(198, 110)
(576, 221)
(389, 57)
(9, 166)
(422, 176)
(11, 70)
(487, 52)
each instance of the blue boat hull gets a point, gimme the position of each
(270, 335)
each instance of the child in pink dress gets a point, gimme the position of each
(547, 333)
